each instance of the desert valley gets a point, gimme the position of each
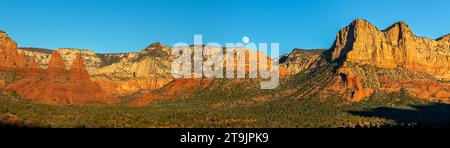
(368, 78)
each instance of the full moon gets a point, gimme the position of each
(246, 39)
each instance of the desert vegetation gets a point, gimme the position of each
(231, 103)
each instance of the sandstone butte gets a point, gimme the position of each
(397, 47)
(54, 85)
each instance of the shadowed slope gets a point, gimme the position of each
(434, 115)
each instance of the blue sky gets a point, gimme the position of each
(130, 25)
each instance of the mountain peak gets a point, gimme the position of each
(360, 21)
(362, 24)
(56, 66)
(399, 28)
(347, 36)
(156, 45)
(402, 24)
(156, 50)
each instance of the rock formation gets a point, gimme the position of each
(367, 57)
(71, 54)
(60, 86)
(353, 82)
(57, 67)
(9, 57)
(33, 69)
(78, 70)
(41, 56)
(155, 60)
(21, 61)
(300, 60)
(121, 73)
(396, 47)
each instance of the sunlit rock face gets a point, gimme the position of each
(371, 60)
(396, 47)
(9, 57)
(300, 60)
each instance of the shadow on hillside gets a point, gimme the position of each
(435, 115)
(7, 125)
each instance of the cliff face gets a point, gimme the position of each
(148, 69)
(153, 61)
(14, 64)
(9, 57)
(70, 55)
(396, 47)
(373, 60)
(300, 60)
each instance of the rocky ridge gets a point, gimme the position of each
(395, 47)
(368, 57)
